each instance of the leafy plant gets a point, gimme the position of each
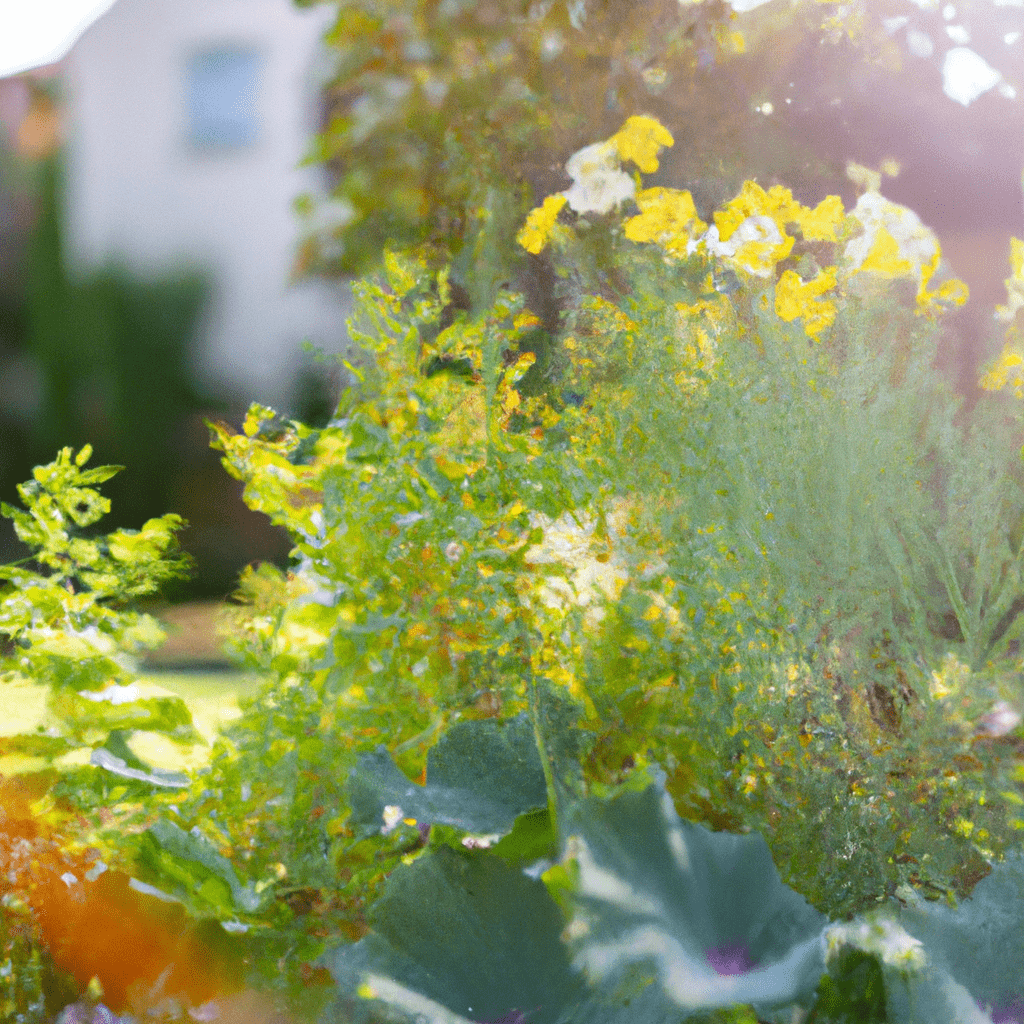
(63, 614)
(66, 624)
(461, 935)
(708, 538)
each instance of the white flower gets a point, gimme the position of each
(759, 228)
(1000, 720)
(599, 182)
(917, 244)
(881, 936)
(571, 542)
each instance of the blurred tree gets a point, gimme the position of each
(447, 120)
(113, 354)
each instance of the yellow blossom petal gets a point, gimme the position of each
(759, 257)
(668, 217)
(535, 232)
(884, 257)
(1007, 369)
(640, 139)
(819, 224)
(796, 298)
(753, 201)
(952, 292)
(1014, 283)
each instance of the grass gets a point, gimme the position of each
(212, 697)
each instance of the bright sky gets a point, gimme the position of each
(37, 32)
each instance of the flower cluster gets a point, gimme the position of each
(757, 231)
(599, 182)
(1008, 369)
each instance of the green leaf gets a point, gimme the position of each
(980, 943)
(169, 715)
(532, 839)
(204, 878)
(34, 745)
(103, 758)
(481, 776)
(705, 911)
(458, 938)
(853, 992)
(467, 935)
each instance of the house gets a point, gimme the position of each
(185, 127)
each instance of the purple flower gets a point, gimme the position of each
(1012, 1013)
(512, 1017)
(732, 958)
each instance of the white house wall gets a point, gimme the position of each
(139, 192)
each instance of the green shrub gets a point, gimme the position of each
(731, 555)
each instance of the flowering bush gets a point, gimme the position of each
(730, 556)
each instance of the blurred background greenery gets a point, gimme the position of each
(440, 125)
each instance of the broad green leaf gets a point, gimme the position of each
(705, 911)
(168, 715)
(481, 776)
(979, 944)
(457, 938)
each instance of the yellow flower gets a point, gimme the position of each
(712, 316)
(952, 292)
(668, 217)
(893, 243)
(639, 140)
(535, 232)
(866, 179)
(884, 257)
(796, 298)
(717, 313)
(963, 827)
(1014, 283)
(1007, 369)
(729, 40)
(819, 224)
(751, 229)
(755, 246)
(777, 203)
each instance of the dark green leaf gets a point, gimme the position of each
(466, 933)
(481, 776)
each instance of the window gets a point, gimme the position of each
(222, 92)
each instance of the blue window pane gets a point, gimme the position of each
(223, 85)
